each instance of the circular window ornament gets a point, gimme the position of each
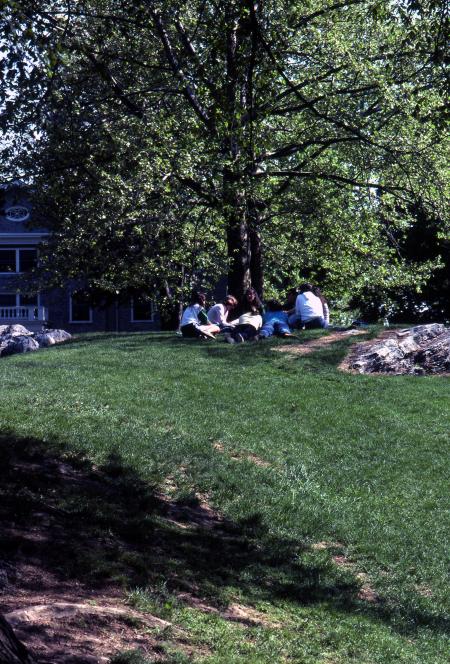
(17, 213)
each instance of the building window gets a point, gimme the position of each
(17, 260)
(27, 259)
(8, 260)
(18, 300)
(8, 299)
(142, 310)
(28, 300)
(80, 308)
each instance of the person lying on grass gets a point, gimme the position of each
(246, 329)
(194, 322)
(218, 313)
(275, 321)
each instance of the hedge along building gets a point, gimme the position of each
(67, 308)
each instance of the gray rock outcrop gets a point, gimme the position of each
(17, 344)
(17, 339)
(424, 349)
(51, 337)
(14, 331)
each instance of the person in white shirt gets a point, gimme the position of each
(218, 314)
(194, 321)
(309, 309)
(326, 308)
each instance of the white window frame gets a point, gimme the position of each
(78, 322)
(18, 250)
(140, 320)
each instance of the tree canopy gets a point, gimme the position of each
(270, 139)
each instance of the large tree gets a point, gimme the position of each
(246, 112)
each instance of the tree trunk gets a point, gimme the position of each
(238, 241)
(170, 314)
(239, 277)
(256, 262)
(256, 265)
(12, 651)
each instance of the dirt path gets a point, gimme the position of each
(314, 344)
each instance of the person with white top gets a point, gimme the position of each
(309, 309)
(218, 314)
(326, 308)
(194, 321)
(250, 320)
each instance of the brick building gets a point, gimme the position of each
(57, 308)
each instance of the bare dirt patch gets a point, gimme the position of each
(365, 592)
(315, 344)
(241, 456)
(198, 513)
(322, 546)
(238, 613)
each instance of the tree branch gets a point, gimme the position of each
(177, 70)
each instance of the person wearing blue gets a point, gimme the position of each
(275, 321)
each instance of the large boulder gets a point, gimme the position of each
(17, 339)
(435, 356)
(417, 350)
(23, 344)
(52, 337)
(15, 331)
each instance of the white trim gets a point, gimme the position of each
(78, 322)
(22, 238)
(140, 320)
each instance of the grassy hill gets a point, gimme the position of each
(266, 505)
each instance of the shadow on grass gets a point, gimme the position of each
(253, 353)
(241, 355)
(85, 528)
(133, 339)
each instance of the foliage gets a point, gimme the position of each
(278, 138)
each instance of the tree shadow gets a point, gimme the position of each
(79, 529)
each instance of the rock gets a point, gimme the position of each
(424, 349)
(435, 357)
(423, 333)
(15, 331)
(17, 339)
(52, 337)
(11, 345)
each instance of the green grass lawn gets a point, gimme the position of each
(334, 487)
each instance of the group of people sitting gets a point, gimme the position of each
(304, 308)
